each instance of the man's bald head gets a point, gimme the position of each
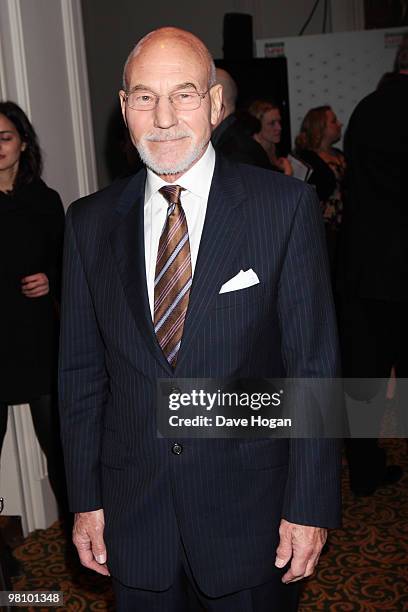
(169, 37)
(229, 91)
(171, 72)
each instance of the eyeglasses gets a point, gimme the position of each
(181, 100)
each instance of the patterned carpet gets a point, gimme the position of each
(364, 568)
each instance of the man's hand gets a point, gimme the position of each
(302, 544)
(87, 536)
(35, 285)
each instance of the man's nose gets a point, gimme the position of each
(164, 113)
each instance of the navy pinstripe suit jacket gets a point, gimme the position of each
(225, 497)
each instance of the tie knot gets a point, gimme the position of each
(171, 193)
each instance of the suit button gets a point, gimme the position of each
(175, 390)
(177, 449)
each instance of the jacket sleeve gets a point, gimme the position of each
(83, 382)
(310, 351)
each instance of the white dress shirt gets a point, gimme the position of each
(196, 183)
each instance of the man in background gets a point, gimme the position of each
(233, 136)
(374, 258)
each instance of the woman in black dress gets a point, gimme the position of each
(31, 237)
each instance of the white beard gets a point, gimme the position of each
(178, 167)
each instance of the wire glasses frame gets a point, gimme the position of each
(180, 100)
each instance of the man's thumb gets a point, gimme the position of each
(99, 552)
(283, 552)
(101, 558)
(279, 562)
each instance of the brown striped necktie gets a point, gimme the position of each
(173, 276)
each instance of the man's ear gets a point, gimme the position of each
(216, 103)
(122, 99)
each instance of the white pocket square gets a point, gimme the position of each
(241, 281)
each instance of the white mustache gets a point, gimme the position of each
(163, 137)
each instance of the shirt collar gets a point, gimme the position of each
(197, 179)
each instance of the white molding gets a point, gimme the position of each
(37, 512)
(23, 443)
(3, 86)
(19, 60)
(19, 480)
(79, 95)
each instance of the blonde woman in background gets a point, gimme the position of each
(319, 131)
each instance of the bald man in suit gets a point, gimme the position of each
(192, 524)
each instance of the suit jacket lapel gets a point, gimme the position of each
(127, 243)
(222, 233)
